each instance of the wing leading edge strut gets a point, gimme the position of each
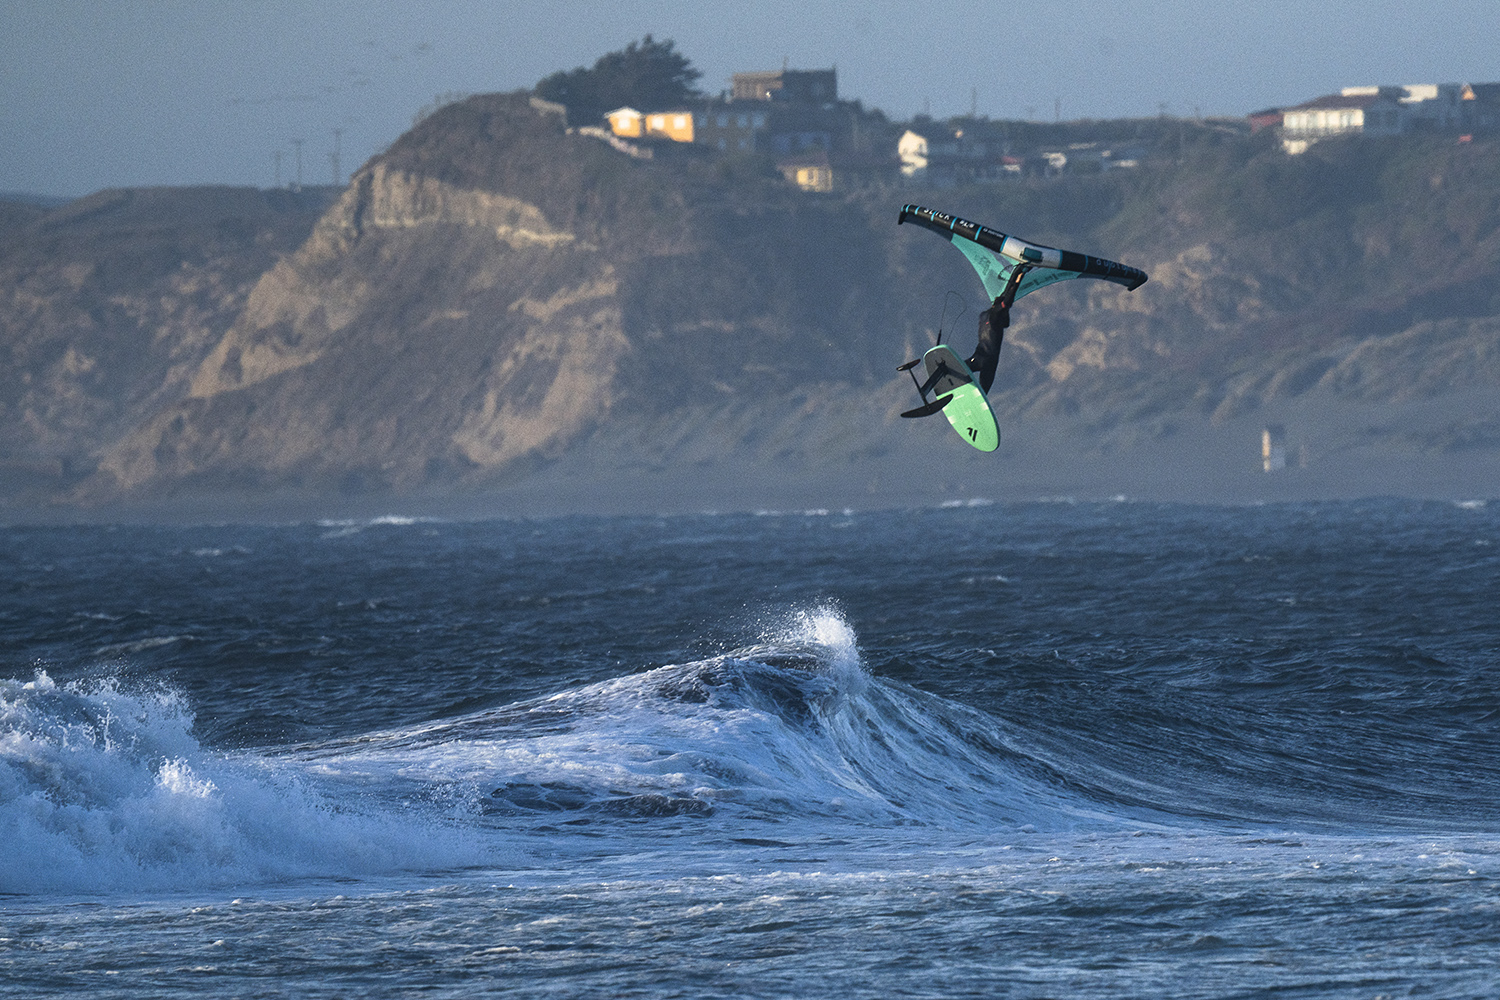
(995, 256)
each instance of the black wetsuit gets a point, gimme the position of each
(992, 324)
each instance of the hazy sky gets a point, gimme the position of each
(102, 93)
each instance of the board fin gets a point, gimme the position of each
(930, 408)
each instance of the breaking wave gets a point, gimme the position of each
(102, 788)
(107, 788)
(790, 729)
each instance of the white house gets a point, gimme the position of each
(952, 159)
(1385, 111)
(1356, 110)
(911, 149)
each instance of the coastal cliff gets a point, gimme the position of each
(502, 313)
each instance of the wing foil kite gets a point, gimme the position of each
(996, 256)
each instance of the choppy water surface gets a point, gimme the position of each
(1091, 750)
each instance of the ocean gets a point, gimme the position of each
(1058, 749)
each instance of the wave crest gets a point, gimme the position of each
(790, 728)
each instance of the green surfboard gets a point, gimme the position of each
(969, 411)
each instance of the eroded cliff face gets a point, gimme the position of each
(423, 332)
(108, 307)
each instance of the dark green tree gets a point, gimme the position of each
(647, 75)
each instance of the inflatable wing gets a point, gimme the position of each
(996, 256)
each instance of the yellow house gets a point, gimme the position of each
(674, 125)
(626, 122)
(811, 172)
(633, 124)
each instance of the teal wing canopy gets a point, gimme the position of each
(995, 256)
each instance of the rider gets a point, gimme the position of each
(986, 356)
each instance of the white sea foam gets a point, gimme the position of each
(344, 527)
(213, 553)
(137, 646)
(104, 789)
(396, 520)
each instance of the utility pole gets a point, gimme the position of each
(297, 144)
(278, 168)
(333, 157)
(973, 102)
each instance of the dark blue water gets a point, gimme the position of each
(1091, 750)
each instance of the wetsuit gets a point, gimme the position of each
(986, 356)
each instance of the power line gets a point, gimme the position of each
(297, 144)
(333, 158)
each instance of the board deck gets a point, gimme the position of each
(969, 412)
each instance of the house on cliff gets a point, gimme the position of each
(1354, 111)
(675, 124)
(911, 150)
(785, 112)
(809, 171)
(792, 115)
(814, 87)
(732, 126)
(1268, 118)
(626, 122)
(1387, 111)
(948, 159)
